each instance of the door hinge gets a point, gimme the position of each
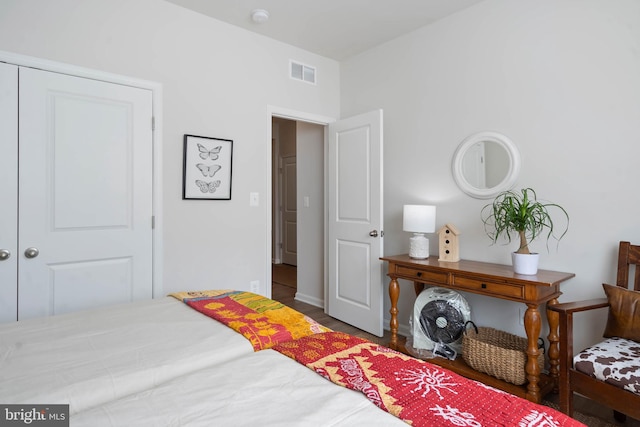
(153, 123)
(153, 222)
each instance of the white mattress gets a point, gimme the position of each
(85, 359)
(258, 389)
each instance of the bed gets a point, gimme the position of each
(235, 358)
(88, 358)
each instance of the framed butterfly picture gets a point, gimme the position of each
(207, 168)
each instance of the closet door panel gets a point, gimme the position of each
(85, 200)
(8, 192)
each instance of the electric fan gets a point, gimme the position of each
(439, 317)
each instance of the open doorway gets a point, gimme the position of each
(284, 197)
(298, 207)
(352, 151)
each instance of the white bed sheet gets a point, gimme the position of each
(259, 389)
(88, 358)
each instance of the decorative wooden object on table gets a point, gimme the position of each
(492, 280)
(448, 244)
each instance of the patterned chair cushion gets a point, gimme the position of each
(615, 361)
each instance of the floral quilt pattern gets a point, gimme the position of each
(263, 321)
(418, 392)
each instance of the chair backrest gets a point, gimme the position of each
(628, 255)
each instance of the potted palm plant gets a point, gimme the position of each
(522, 214)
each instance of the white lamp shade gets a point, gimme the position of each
(419, 218)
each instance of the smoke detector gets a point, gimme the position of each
(259, 16)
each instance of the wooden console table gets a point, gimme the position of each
(492, 280)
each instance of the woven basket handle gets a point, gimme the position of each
(474, 326)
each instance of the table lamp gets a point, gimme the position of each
(419, 219)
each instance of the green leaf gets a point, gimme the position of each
(521, 214)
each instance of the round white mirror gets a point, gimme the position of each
(485, 164)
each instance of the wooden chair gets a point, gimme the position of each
(571, 380)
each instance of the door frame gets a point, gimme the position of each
(289, 114)
(156, 89)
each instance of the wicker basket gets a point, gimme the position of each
(497, 353)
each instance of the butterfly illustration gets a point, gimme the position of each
(208, 170)
(213, 154)
(208, 187)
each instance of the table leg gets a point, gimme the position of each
(553, 318)
(532, 324)
(394, 293)
(418, 287)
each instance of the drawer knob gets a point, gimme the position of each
(419, 274)
(483, 286)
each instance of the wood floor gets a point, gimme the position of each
(286, 295)
(284, 274)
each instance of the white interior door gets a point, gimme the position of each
(289, 211)
(355, 219)
(473, 166)
(8, 192)
(85, 193)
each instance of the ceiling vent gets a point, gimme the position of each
(302, 72)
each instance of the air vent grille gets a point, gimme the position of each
(302, 72)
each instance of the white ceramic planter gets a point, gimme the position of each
(525, 263)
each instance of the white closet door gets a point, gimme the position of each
(85, 193)
(8, 192)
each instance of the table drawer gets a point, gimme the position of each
(429, 277)
(488, 287)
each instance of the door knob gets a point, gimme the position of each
(31, 252)
(374, 233)
(4, 254)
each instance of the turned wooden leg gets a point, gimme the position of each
(554, 349)
(394, 293)
(532, 327)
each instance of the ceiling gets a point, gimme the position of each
(335, 29)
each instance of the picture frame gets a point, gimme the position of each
(207, 168)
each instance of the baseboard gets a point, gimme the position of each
(403, 330)
(317, 302)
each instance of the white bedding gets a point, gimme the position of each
(258, 389)
(88, 358)
(161, 363)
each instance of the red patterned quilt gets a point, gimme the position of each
(263, 321)
(418, 392)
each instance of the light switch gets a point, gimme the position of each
(305, 201)
(254, 199)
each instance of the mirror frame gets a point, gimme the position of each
(507, 182)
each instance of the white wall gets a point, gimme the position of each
(218, 81)
(561, 78)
